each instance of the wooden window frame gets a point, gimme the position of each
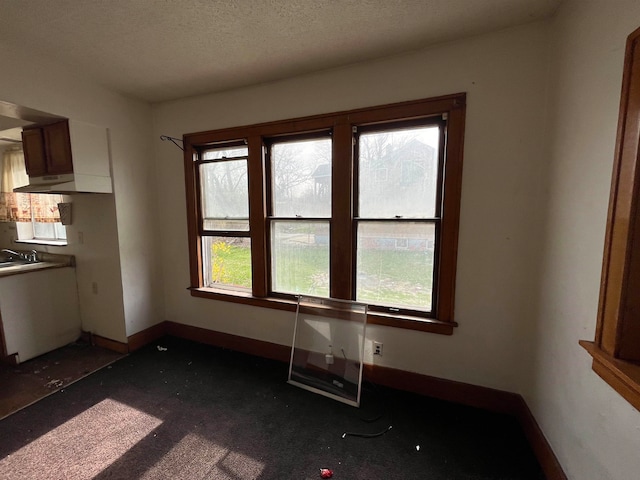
(358, 220)
(616, 347)
(212, 232)
(342, 246)
(272, 218)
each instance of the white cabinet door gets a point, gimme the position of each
(39, 311)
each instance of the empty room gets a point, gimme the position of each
(304, 239)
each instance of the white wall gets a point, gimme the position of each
(118, 252)
(504, 74)
(593, 430)
(542, 111)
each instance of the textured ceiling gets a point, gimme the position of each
(158, 50)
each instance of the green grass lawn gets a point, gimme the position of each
(302, 270)
(395, 278)
(231, 264)
(385, 277)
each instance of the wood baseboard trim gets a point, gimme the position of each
(134, 342)
(457, 392)
(538, 442)
(146, 336)
(250, 346)
(104, 342)
(474, 396)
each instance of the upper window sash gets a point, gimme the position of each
(398, 169)
(223, 189)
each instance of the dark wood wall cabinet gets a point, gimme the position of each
(47, 149)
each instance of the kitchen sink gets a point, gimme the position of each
(13, 263)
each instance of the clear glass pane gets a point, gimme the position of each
(301, 178)
(226, 262)
(395, 264)
(300, 257)
(44, 230)
(328, 348)
(398, 173)
(61, 231)
(225, 195)
(228, 152)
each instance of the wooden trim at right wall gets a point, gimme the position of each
(616, 347)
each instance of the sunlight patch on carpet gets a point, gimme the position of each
(83, 446)
(195, 457)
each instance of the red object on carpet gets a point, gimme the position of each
(326, 473)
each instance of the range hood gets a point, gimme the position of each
(67, 184)
(86, 163)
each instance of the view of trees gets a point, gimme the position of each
(397, 179)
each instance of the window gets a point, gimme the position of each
(36, 216)
(360, 205)
(396, 219)
(224, 226)
(299, 215)
(616, 348)
(45, 225)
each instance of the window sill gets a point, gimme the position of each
(375, 318)
(35, 241)
(621, 375)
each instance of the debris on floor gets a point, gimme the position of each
(162, 349)
(326, 473)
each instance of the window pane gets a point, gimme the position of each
(301, 178)
(395, 264)
(398, 173)
(225, 195)
(226, 261)
(61, 231)
(49, 231)
(300, 257)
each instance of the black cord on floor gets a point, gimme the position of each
(367, 435)
(374, 419)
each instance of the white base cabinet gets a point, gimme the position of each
(39, 311)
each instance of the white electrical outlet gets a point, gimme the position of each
(377, 348)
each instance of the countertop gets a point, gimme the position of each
(47, 260)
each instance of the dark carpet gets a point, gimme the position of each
(197, 412)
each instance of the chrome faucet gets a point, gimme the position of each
(28, 257)
(13, 254)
